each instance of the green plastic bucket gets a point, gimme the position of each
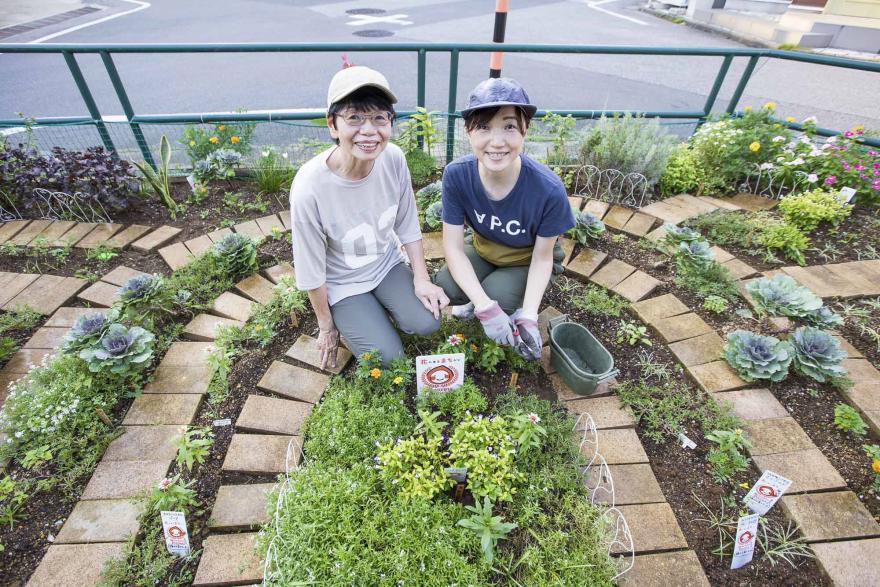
(581, 360)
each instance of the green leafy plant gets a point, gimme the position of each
(428, 196)
(158, 180)
(486, 448)
(220, 164)
(817, 354)
(417, 138)
(200, 143)
(676, 235)
(787, 239)
(727, 457)
(633, 333)
(587, 227)
(102, 253)
(414, 466)
(696, 256)
(371, 372)
(434, 216)
(172, 494)
(781, 295)
(430, 424)
(193, 446)
(847, 419)
(237, 253)
(273, 172)
(120, 350)
(488, 528)
(457, 403)
(683, 174)
(809, 209)
(146, 562)
(561, 129)
(597, 301)
(491, 355)
(715, 304)
(754, 356)
(87, 330)
(528, 432)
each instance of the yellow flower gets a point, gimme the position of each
(770, 106)
(858, 127)
(876, 466)
(192, 143)
(234, 139)
(213, 140)
(398, 380)
(474, 347)
(777, 125)
(755, 147)
(222, 127)
(747, 109)
(375, 373)
(744, 485)
(258, 327)
(367, 356)
(790, 119)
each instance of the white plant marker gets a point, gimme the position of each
(766, 492)
(744, 545)
(176, 533)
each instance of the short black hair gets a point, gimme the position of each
(484, 115)
(363, 99)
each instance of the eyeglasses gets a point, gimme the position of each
(357, 119)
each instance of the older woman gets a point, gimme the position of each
(351, 207)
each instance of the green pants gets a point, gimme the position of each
(505, 285)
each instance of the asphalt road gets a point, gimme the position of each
(41, 85)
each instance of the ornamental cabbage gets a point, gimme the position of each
(782, 296)
(87, 330)
(434, 215)
(679, 234)
(695, 254)
(817, 354)
(140, 287)
(120, 350)
(238, 254)
(587, 226)
(824, 318)
(754, 356)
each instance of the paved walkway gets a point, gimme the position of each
(84, 235)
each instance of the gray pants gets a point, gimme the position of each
(364, 322)
(505, 285)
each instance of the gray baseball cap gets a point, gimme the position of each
(498, 91)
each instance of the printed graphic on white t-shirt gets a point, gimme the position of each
(361, 245)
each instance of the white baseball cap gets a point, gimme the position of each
(354, 78)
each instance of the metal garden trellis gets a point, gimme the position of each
(106, 52)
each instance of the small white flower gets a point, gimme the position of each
(778, 139)
(766, 166)
(798, 161)
(284, 155)
(812, 178)
(812, 119)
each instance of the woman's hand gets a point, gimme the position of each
(431, 296)
(328, 344)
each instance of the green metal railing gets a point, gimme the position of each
(69, 52)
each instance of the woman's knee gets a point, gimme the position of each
(422, 325)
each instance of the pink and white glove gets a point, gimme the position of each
(530, 336)
(496, 324)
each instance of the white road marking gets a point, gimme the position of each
(364, 19)
(597, 6)
(140, 6)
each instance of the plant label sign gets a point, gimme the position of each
(847, 193)
(686, 442)
(766, 492)
(744, 546)
(458, 474)
(439, 372)
(176, 535)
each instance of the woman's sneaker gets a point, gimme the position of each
(465, 312)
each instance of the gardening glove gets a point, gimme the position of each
(496, 324)
(530, 336)
(328, 343)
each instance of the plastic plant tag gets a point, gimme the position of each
(766, 492)
(686, 442)
(847, 193)
(176, 536)
(223, 422)
(439, 372)
(458, 474)
(744, 546)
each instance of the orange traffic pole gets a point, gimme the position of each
(498, 37)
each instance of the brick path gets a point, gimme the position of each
(85, 235)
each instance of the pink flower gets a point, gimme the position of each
(164, 484)
(846, 165)
(859, 166)
(455, 339)
(830, 180)
(848, 134)
(876, 184)
(534, 418)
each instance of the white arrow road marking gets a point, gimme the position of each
(597, 6)
(363, 19)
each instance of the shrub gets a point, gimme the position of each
(598, 301)
(715, 304)
(486, 448)
(754, 356)
(630, 144)
(94, 172)
(421, 166)
(414, 467)
(682, 174)
(237, 254)
(120, 350)
(781, 295)
(787, 239)
(727, 457)
(806, 211)
(273, 172)
(712, 280)
(345, 529)
(726, 227)
(587, 227)
(817, 354)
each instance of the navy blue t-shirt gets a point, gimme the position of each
(536, 206)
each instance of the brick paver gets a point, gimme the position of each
(752, 404)
(229, 559)
(168, 408)
(28, 233)
(639, 224)
(619, 446)
(607, 412)
(636, 287)
(668, 211)
(597, 208)
(187, 353)
(567, 246)
(863, 281)
(127, 236)
(722, 203)
(137, 442)
(99, 236)
(155, 239)
(617, 216)
(272, 416)
(46, 338)
(47, 293)
(121, 275)
(284, 216)
(585, 263)
(276, 272)
(653, 527)
(665, 569)
(23, 360)
(861, 370)
(205, 327)
(851, 351)
(257, 288)
(830, 516)
(262, 454)
(701, 204)
(124, 479)
(432, 242)
(544, 318)
(716, 376)
(632, 484)
(250, 228)
(11, 228)
(847, 563)
(681, 327)
(67, 316)
(721, 256)
(75, 234)
(305, 349)
(809, 470)
(100, 294)
(176, 255)
(110, 520)
(294, 382)
(53, 232)
(240, 506)
(199, 245)
(66, 565)
(752, 202)
(15, 284)
(612, 273)
(191, 379)
(564, 393)
(698, 350)
(738, 269)
(655, 309)
(776, 435)
(269, 223)
(230, 305)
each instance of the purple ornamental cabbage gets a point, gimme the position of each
(754, 356)
(121, 350)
